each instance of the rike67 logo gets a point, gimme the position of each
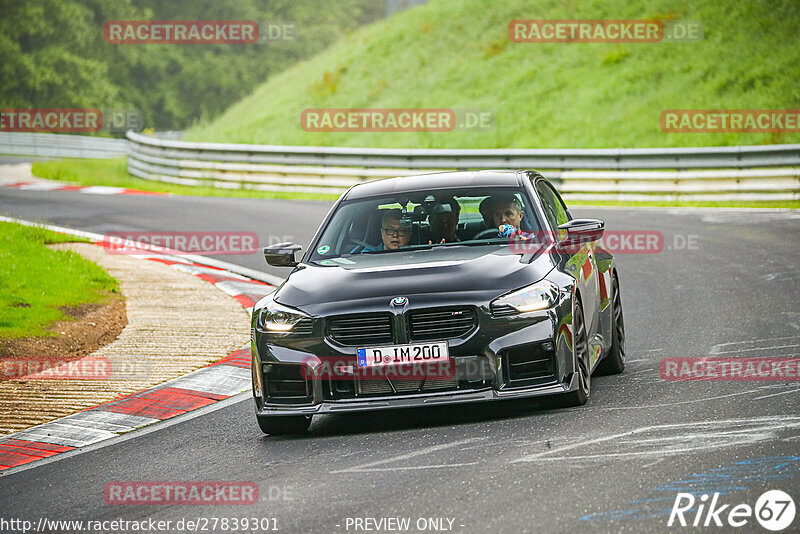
(774, 510)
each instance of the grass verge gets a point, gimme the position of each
(457, 54)
(113, 172)
(36, 281)
(776, 204)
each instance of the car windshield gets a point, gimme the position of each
(424, 221)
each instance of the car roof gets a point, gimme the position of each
(438, 180)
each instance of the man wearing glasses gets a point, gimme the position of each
(395, 232)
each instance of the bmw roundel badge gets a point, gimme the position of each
(399, 301)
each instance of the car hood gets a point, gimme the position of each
(427, 277)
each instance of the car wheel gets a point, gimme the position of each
(580, 346)
(277, 426)
(614, 362)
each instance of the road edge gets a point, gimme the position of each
(190, 395)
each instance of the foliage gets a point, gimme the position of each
(55, 56)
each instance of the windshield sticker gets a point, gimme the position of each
(323, 249)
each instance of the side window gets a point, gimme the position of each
(561, 209)
(548, 204)
(554, 208)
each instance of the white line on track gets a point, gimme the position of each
(757, 348)
(776, 394)
(684, 438)
(670, 404)
(654, 463)
(404, 468)
(426, 450)
(718, 349)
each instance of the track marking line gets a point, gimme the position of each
(433, 448)
(407, 468)
(758, 348)
(718, 349)
(704, 399)
(691, 437)
(776, 394)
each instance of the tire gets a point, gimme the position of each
(614, 362)
(283, 425)
(580, 348)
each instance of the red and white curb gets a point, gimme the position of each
(88, 189)
(208, 385)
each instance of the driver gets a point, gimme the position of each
(506, 209)
(395, 232)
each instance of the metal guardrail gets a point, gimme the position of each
(768, 172)
(434, 158)
(60, 145)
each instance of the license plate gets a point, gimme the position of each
(400, 354)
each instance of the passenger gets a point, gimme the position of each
(506, 209)
(395, 232)
(444, 221)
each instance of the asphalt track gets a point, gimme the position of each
(614, 465)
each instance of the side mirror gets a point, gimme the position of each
(581, 231)
(282, 254)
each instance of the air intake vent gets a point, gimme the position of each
(443, 323)
(303, 327)
(535, 360)
(286, 383)
(374, 386)
(361, 330)
(503, 310)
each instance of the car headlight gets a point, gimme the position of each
(538, 296)
(277, 318)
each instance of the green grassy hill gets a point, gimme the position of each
(456, 54)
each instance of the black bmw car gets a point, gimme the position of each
(435, 289)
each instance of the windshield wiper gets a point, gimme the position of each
(429, 246)
(474, 243)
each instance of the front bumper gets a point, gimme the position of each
(502, 346)
(415, 401)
